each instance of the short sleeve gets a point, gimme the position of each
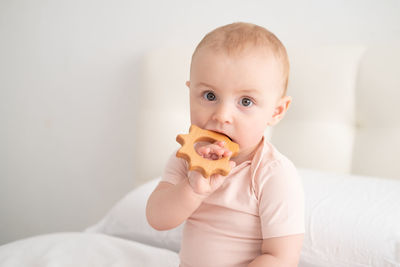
(175, 170)
(281, 200)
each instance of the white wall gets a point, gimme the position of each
(69, 81)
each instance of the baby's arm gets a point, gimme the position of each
(282, 199)
(280, 252)
(169, 205)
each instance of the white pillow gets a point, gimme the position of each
(127, 219)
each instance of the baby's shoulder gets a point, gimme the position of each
(271, 160)
(274, 170)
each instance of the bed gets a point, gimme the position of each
(341, 131)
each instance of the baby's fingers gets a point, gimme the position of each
(220, 143)
(211, 151)
(204, 151)
(222, 152)
(214, 151)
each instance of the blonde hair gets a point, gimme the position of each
(235, 37)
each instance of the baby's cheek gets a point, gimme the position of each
(249, 138)
(198, 117)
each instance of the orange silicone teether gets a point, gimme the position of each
(196, 162)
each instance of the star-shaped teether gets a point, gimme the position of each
(196, 162)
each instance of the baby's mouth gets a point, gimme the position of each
(224, 135)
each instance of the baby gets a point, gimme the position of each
(254, 216)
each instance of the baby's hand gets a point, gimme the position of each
(215, 151)
(203, 186)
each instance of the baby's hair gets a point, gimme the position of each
(235, 37)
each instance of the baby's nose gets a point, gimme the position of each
(223, 114)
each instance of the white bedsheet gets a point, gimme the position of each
(351, 221)
(83, 249)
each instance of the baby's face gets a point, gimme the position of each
(238, 96)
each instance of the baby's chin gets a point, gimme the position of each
(248, 147)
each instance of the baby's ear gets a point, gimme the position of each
(188, 84)
(280, 110)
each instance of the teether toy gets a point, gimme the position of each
(196, 162)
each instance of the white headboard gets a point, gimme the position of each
(344, 117)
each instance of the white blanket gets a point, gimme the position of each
(83, 249)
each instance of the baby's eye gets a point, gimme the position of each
(210, 96)
(246, 102)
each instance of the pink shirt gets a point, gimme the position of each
(260, 199)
